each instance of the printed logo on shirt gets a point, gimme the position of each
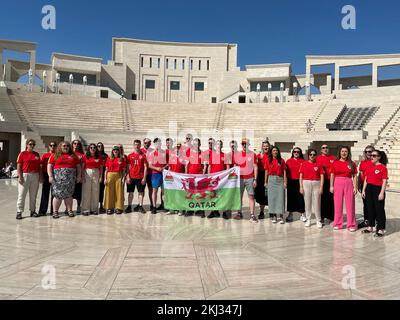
(249, 158)
(377, 171)
(331, 161)
(349, 166)
(315, 169)
(96, 160)
(37, 158)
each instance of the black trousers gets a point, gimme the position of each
(365, 209)
(327, 207)
(295, 200)
(376, 208)
(44, 200)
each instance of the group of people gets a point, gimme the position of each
(318, 184)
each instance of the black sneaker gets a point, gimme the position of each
(188, 213)
(153, 211)
(225, 215)
(136, 209)
(102, 210)
(213, 214)
(118, 211)
(141, 210)
(161, 208)
(34, 215)
(151, 207)
(95, 213)
(110, 212)
(261, 216)
(19, 216)
(238, 216)
(289, 218)
(71, 214)
(86, 213)
(363, 224)
(42, 214)
(128, 209)
(202, 214)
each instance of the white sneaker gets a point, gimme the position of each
(335, 228)
(303, 218)
(281, 220)
(352, 229)
(274, 220)
(308, 223)
(319, 225)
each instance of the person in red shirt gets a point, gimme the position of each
(295, 200)
(187, 146)
(215, 162)
(364, 165)
(311, 187)
(260, 192)
(115, 174)
(147, 150)
(230, 162)
(64, 170)
(276, 183)
(247, 161)
(46, 187)
(103, 156)
(136, 178)
(157, 163)
(375, 182)
(207, 154)
(29, 177)
(344, 187)
(326, 160)
(77, 147)
(176, 163)
(92, 167)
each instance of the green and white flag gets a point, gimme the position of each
(194, 192)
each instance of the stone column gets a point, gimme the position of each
(33, 64)
(374, 75)
(337, 77)
(308, 72)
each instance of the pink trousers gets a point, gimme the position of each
(343, 189)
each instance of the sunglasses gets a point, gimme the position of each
(52, 145)
(313, 154)
(296, 151)
(75, 143)
(375, 156)
(324, 148)
(31, 144)
(93, 148)
(65, 146)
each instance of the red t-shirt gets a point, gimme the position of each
(311, 170)
(116, 164)
(158, 158)
(230, 158)
(92, 162)
(195, 165)
(293, 167)
(326, 163)
(246, 161)
(261, 160)
(137, 162)
(217, 162)
(79, 155)
(175, 163)
(343, 169)
(275, 168)
(364, 165)
(30, 161)
(64, 161)
(375, 174)
(147, 153)
(45, 160)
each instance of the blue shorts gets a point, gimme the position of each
(157, 180)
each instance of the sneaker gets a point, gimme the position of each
(128, 209)
(363, 224)
(253, 218)
(352, 229)
(308, 223)
(86, 213)
(336, 228)
(151, 207)
(238, 216)
(110, 212)
(95, 213)
(78, 209)
(202, 214)
(19, 216)
(118, 211)
(180, 213)
(154, 211)
(261, 216)
(142, 210)
(71, 214)
(102, 210)
(56, 215)
(34, 215)
(303, 218)
(225, 215)
(274, 219)
(281, 220)
(161, 207)
(213, 214)
(319, 225)
(289, 217)
(379, 233)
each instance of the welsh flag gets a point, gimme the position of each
(194, 192)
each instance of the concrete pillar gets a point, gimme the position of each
(337, 77)
(328, 84)
(1, 64)
(374, 75)
(308, 72)
(33, 64)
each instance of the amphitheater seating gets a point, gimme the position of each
(352, 118)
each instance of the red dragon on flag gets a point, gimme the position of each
(201, 189)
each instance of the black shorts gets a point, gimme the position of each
(135, 183)
(148, 181)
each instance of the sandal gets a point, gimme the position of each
(56, 215)
(71, 214)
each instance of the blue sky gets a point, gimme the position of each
(266, 31)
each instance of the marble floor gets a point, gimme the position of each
(136, 256)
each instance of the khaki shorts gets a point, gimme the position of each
(248, 185)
